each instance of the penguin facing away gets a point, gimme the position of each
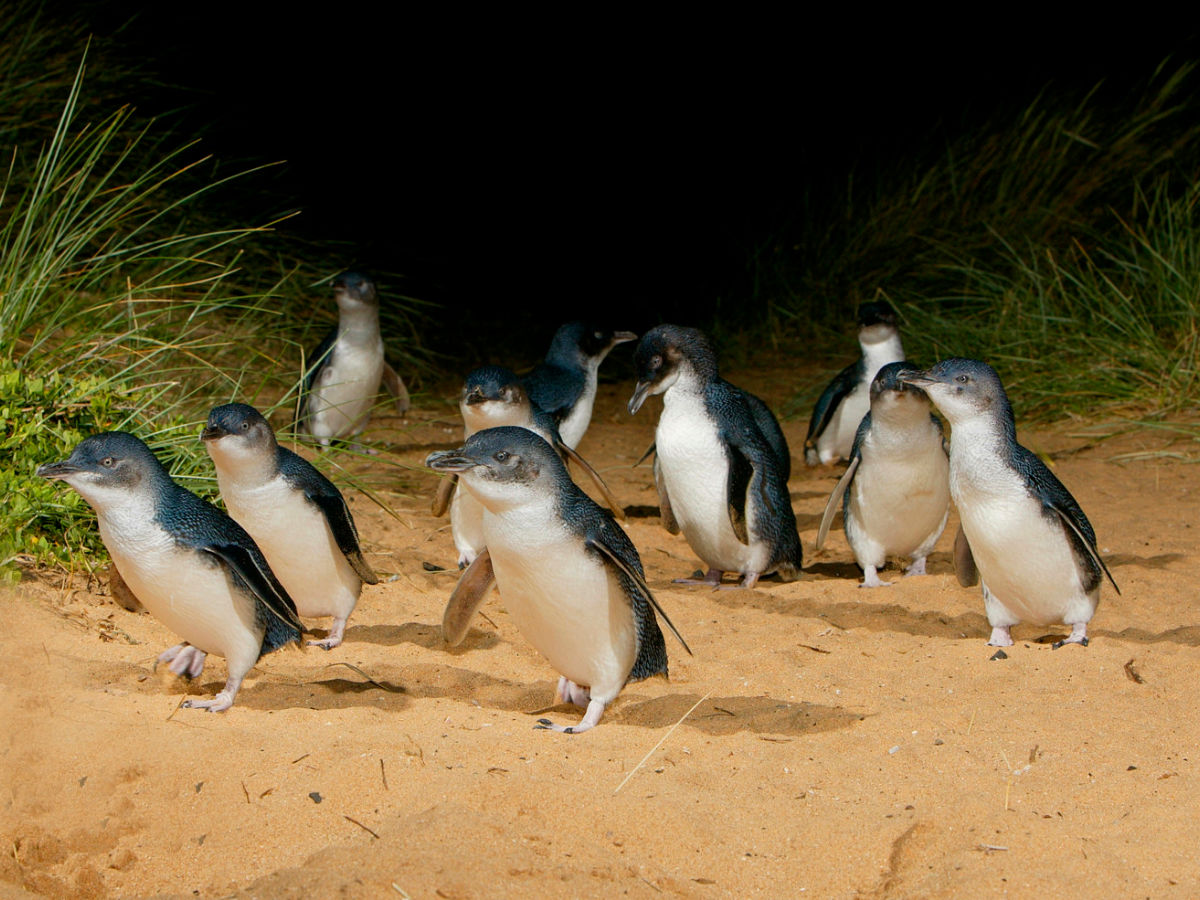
(847, 397)
(296, 515)
(493, 396)
(1022, 531)
(348, 366)
(564, 384)
(194, 568)
(720, 473)
(895, 494)
(570, 577)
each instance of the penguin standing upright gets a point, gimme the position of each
(1025, 535)
(895, 494)
(720, 474)
(570, 577)
(297, 517)
(348, 366)
(847, 398)
(194, 568)
(564, 384)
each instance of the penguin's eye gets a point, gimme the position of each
(599, 335)
(108, 462)
(655, 361)
(245, 426)
(962, 379)
(501, 456)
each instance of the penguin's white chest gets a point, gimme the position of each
(298, 544)
(565, 602)
(837, 440)
(188, 591)
(466, 524)
(695, 469)
(1023, 556)
(346, 389)
(900, 496)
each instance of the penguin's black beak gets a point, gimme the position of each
(476, 395)
(640, 393)
(212, 433)
(58, 470)
(623, 337)
(918, 379)
(450, 461)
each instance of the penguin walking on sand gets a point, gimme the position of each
(298, 518)
(348, 366)
(721, 461)
(895, 494)
(570, 577)
(564, 384)
(493, 396)
(847, 398)
(1022, 532)
(194, 568)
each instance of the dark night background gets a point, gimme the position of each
(538, 168)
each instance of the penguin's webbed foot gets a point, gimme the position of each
(336, 635)
(595, 709)
(712, 578)
(917, 568)
(1000, 637)
(1078, 635)
(185, 660)
(219, 703)
(871, 578)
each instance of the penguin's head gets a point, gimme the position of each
(503, 467)
(877, 322)
(237, 433)
(963, 389)
(585, 343)
(108, 469)
(667, 353)
(492, 396)
(354, 290)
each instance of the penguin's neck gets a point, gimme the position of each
(879, 354)
(494, 414)
(250, 471)
(686, 388)
(979, 457)
(358, 325)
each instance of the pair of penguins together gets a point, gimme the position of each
(563, 565)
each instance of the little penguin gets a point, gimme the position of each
(348, 366)
(1022, 532)
(493, 396)
(194, 568)
(847, 398)
(722, 461)
(298, 518)
(570, 577)
(564, 384)
(895, 495)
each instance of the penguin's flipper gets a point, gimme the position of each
(838, 389)
(321, 492)
(964, 561)
(666, 514)
(249, 567)
(318, 364)
(468, 595)
(740, 476)
(835, 499)
(617, 560)
(617, 510)
(771, 432)
(1088, 546)
(394, 385)
(337, 514)
(445, 493)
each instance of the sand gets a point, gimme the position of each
(824, 740)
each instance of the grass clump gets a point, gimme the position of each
(1059, 244)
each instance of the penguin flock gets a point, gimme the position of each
(238, 584)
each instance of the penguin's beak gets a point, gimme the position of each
(623, 337)
(58, 471)
(450, 461)
(640, 393)
(475, 396)
(918, 379)
(212, 433)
